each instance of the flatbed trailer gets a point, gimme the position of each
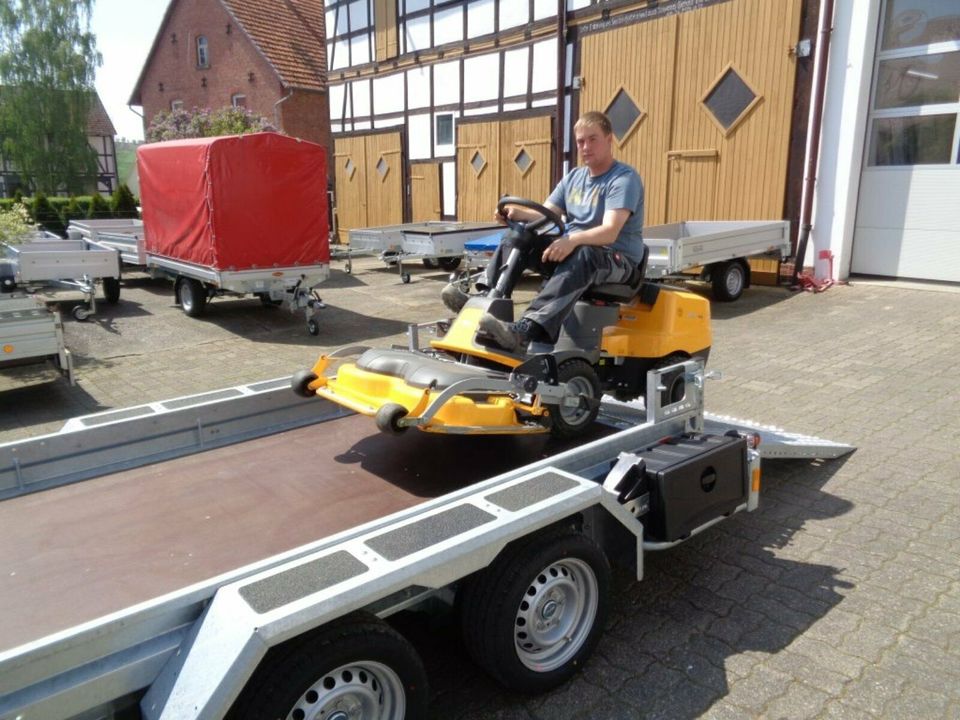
(31, 333)
(155, 554)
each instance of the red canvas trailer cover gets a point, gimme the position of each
(235, 203)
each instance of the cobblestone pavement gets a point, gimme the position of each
(839, 597)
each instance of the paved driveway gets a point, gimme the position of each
(840, 597)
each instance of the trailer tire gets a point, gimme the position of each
(450, 263)
(559, 578)
(192, 296)
(569, 422)
(111, 289)
(357, 665)
(268, 301)
(729, 280)
(430, 263)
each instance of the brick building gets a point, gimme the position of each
(265, 56)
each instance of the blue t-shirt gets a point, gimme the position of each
(584, 200)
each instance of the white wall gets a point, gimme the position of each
(842, 138)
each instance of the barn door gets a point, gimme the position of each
(369, 177)
(502, 157)
(425, 191)
(702, 115)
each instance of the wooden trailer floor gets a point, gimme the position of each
(82, 551)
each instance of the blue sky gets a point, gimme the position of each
(125, 30)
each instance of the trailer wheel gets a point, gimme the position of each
(313, 327)
(300, 382)
(405, 278)
(449, 263)
(388, 418)
(356, 667)
(192, 296)
(534, 616)
(430, 263)
(111, 289)
(581, 378)
(729, 279)
(268, 301)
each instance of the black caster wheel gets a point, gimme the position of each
(313, 327)
(301, 380)
(405, 278)
(388, 418)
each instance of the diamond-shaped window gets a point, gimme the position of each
(624, 116)
(729, 100)
(524, 161)
(382, 168)
(478, 163)
(350, 168)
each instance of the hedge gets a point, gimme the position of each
(80, 209)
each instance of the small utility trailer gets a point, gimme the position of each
(30, 333)
(435, 243)
(49, 261)
(716, 249)
(234, 554)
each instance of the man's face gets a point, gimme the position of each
(594, 147)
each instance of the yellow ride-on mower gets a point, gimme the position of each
(464, 383)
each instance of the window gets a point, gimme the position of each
(203, 57)
(444, 129)
(176, 105)
(624, 115)
(239, 101)
(729, 100)
(916, 101)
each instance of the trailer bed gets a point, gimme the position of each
(82, 551)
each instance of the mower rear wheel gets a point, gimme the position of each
(581, 379)
(300, 382)
(388, 418)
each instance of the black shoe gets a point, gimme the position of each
(513, 336)
(453, 297)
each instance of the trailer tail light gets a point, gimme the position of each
(755, 486)
(8, 348)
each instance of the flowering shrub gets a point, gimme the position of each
(15, 223)
(203, 122)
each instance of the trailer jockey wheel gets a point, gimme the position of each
(355, 667)
(313, 327)
(534, 616)
(80, 313)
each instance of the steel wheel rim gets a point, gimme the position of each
(187, 298)
(556, 615)
(734, 279)
(363, 690)
(576, 386)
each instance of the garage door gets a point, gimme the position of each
(369, 178)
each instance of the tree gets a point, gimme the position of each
(202, 122)
(99, 208)
(46, 216)
(48, 60)
(123, 203)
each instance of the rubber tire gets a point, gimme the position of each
(111, 289)
(299, 382)
(568, 370)
(267, 301)
(405, 278)
(721, 273)
(388, 416)
(489, 601)
(450, 263)
(80, 313)
(430, 263)
(290, 669)
(192, 296)
(676, 391)
(313, 327)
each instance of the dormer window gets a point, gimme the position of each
(203, 57)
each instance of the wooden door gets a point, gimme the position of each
(704, 115)
(502, 157)
(425, 191)
(351, 180)
(369, 178)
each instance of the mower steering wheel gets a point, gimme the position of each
(549, 217)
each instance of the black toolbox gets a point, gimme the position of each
(693, 479)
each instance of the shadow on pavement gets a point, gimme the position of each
(672, 640)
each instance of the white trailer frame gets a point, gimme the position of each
(194, 649)
(32, 333)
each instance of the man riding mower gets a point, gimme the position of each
(466, 382)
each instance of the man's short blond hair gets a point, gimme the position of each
(594, 119)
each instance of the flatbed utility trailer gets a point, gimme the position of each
(717, 250)
(49, 261)
(31, 333)
(154, 555)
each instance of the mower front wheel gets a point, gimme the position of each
(581, 380)
(388, 418)
(300, 383)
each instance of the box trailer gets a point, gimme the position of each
(235, 553)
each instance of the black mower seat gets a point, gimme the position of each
(422, 371)
(620, 292)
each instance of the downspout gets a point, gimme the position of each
(560, 132)
(813, 136)
(276, 109)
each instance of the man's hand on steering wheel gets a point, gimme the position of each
(527, 216)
